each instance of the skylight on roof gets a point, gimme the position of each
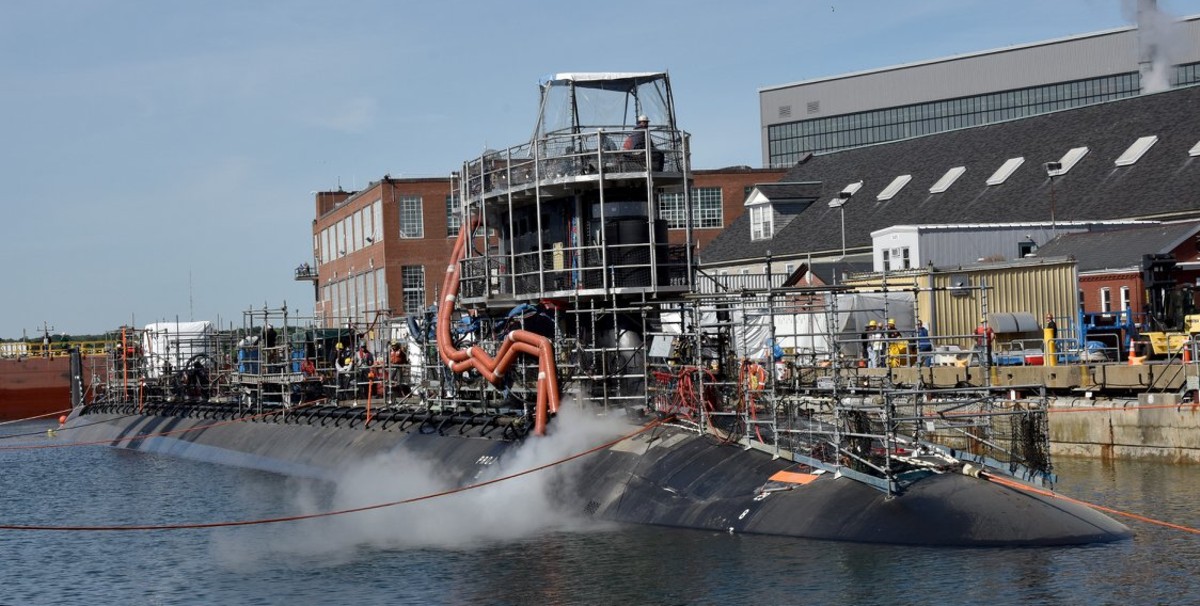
(1135, 151)
(894, 187)
(1069, 159)
(1007, 169)
(947, 179)
(1195, 150)
(843, 196)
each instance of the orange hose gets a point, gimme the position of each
(517, 342)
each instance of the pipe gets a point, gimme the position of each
(517, 342)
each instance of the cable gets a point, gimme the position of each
(326, 514)
(1054, 495)
(43, 416)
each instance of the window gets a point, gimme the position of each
(377, 220)
(893, 188)
(412, 278)
(671, 210)
(707, 210)
(761, 223)
(1105, 300)
(453, 216)
(947, 180)
(1007, 169)
(1124, 298)
(1068, 161)
(1135, 151)
(896, 259)
(1026, 248)
(412, 224)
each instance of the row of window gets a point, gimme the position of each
(1106, 302)
(360, 229)
(364, 227)
(787, 142)
(355, 297)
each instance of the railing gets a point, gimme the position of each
(640, 265)
(562, 155)
(54, 349)
(306, 272)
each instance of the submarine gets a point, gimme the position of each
(566, 295)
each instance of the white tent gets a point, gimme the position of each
(169, 345)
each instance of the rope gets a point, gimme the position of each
(326, 514)
(1054, 495)
(49, 414)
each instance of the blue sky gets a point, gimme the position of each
(158, 157)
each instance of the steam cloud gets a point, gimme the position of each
(1161, 41)
(505, 511)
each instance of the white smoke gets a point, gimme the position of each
(1161, 41)
(506, 511)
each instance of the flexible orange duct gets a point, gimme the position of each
(517, 342)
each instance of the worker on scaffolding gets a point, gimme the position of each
(897, 347)
(984, 337)
(876, 340)
(397, 367)
(343, 363)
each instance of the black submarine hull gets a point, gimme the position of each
(667, 476)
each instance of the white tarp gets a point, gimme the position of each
(169, 345)
(809, 336)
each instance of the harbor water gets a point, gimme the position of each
(505, 549)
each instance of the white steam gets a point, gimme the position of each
(504, 511)
(1161, 41)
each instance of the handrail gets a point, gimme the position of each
(20, 349)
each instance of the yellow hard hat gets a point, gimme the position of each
(872, 323)
(891, 320)
(339, 346)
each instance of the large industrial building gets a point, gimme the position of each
(898, 102)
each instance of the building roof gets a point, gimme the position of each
(1119, 248)
(1162, 184)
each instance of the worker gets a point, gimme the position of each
(876, 345)
(637, 139)
(984, 336)
(897, 347)
(398, 361)
(866, 340)
(924, 346)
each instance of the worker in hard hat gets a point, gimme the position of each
(877, 345)
(637, 138)
(865, 339)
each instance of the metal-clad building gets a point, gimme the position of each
(916, 99)
(902, 247)
(950, 300)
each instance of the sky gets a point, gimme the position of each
(159, 159)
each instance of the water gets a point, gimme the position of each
(415, 555)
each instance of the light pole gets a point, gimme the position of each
(1053, 169)
(839, 203)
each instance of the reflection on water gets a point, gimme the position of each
(595, 564)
